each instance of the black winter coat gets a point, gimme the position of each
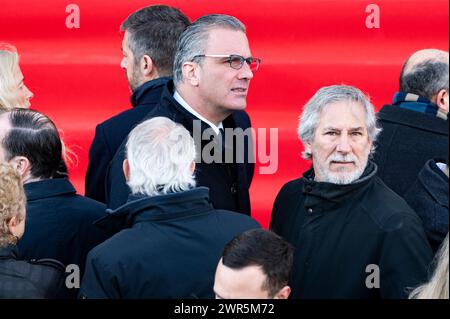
(228, 182)
(428, 196)
(110, 134)
(349, 237)
(29, 280)
(169, 247)
(59, 223)
(408, 140)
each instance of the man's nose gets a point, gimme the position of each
(343, 145)
(245, 72)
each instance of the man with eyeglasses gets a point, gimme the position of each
(212, 71)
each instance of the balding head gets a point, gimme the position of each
(425, 73)
(422, 56)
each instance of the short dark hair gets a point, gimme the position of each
(154, 31)
(425, 79)
(34, 136)
(264, 248)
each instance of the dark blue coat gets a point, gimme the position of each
(169, 248)
(228, 183)
(408, 140)
(428, 196)
(59, 223)
(110, 134)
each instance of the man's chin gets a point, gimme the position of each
(342, 178)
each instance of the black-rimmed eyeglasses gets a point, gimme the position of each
(236, 61)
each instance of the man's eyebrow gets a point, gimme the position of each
(359, 128)
(330, 128)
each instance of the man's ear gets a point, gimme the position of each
(22, 166)
(192, 166)
(191, 73)
(442, 100)
(283, 293)
(147, 67)
(308, 148)
(126, 169)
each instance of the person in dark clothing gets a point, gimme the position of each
(208, 95)
(354, 237)
(415, 126)
(169, 237)
(148, 47)
(18, 278)
(59, 222)
(428, 196)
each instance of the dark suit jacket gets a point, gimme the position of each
(228, 183)
(110, 134)
(408, 140)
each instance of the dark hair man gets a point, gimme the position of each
(212, 71)
(148, 47)
(59, 222)
(354, 237)
(415, 126)
(254, 265)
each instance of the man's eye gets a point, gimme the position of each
(331, 133)
(356, 133)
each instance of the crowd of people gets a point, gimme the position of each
(167, 215)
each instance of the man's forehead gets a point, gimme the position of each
(224, 39)
(343, 112)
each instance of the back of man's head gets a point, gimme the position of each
(160, 158)
(425, 73)
(33, 136)
(259, 247)
(154, 31)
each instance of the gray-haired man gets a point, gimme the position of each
(212, 71)
(354, 237)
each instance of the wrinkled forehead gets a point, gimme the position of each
(345, 114)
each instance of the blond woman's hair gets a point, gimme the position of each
(437, 287)
(9, 63)
(12, 202)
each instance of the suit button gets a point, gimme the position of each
(233, 189)
(308, 189)
(310, 211)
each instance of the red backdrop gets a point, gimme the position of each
(304, 44)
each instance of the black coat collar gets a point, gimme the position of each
(48, 188)
(394, 114)
(179, 114)
(324, 196)
(149, 91)
(141, 208)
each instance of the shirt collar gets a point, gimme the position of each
(188, 108)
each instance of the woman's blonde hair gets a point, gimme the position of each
(12, 202)
(9, 62)
(437, 287)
